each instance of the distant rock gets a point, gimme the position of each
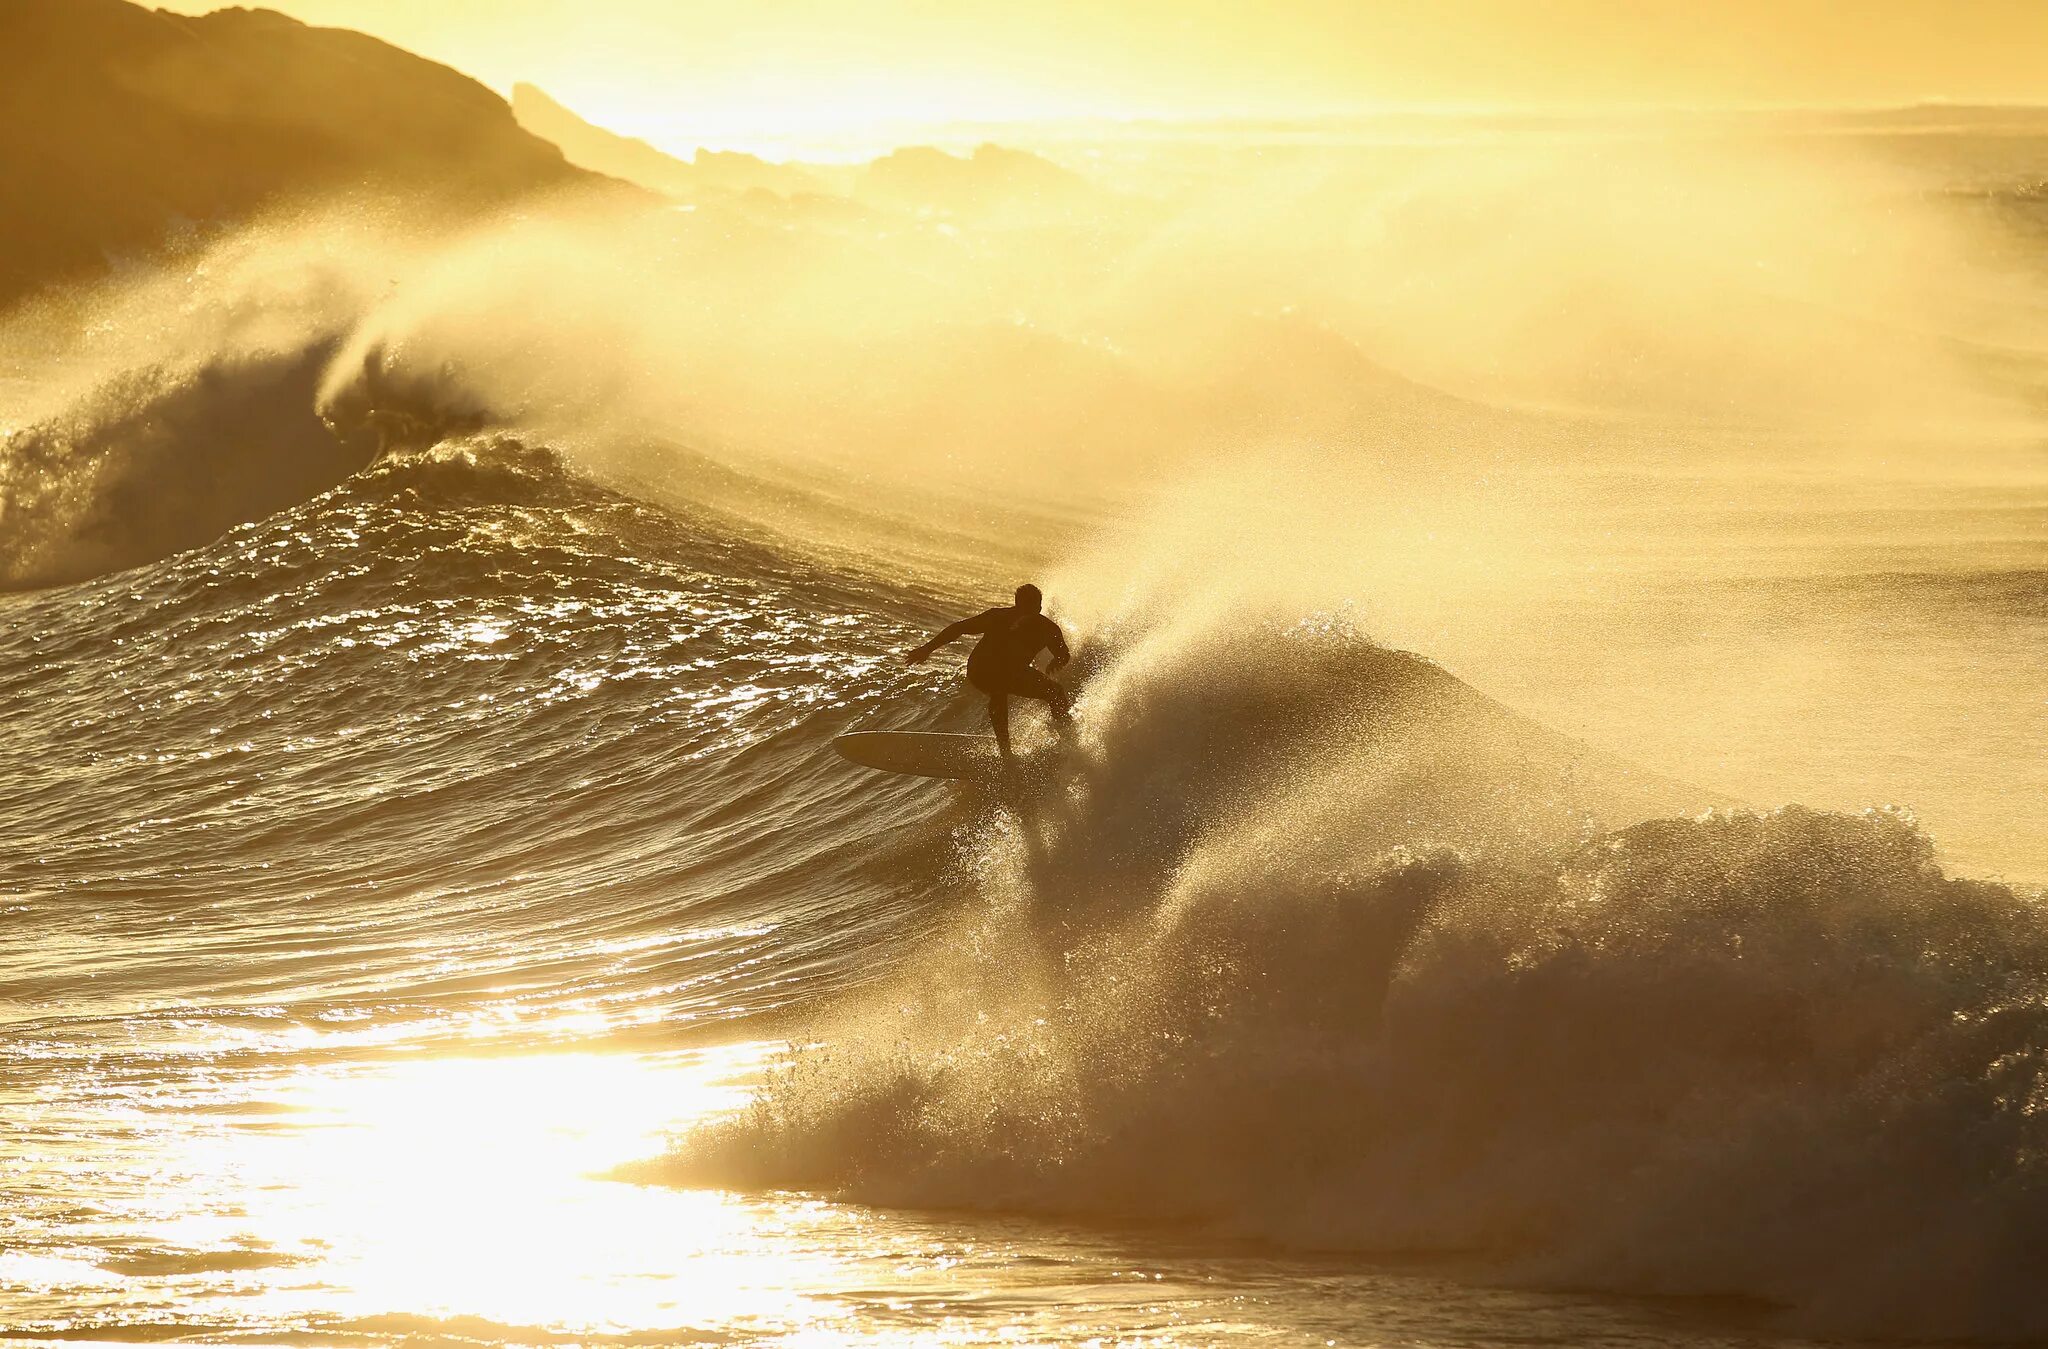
(121, 126)
(992, 178)
(916, 179)
(737, 171)
(711, 171)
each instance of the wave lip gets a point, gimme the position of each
(164, 459)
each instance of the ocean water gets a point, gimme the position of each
(433, 912)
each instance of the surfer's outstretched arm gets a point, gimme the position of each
(918, 655)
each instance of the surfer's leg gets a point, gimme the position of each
(992, 683)
(1034, 684)
(999, 717)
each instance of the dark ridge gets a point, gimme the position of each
(122, 128)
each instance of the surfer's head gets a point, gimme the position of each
(1030, 598)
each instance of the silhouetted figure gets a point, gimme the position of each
(1001, 662)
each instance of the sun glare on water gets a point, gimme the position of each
(455, 1190)
(474, 1188)
(466, 1200)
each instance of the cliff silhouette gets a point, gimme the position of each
(123, 128)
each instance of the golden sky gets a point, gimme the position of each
(682, 72)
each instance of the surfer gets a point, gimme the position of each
(1001, 663)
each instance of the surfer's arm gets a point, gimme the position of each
(918, 655)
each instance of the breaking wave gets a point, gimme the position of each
(1321, 948)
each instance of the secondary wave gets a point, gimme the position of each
(465, 742)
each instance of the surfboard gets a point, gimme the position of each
(924, 754)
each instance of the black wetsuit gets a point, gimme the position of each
(1011, 639)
